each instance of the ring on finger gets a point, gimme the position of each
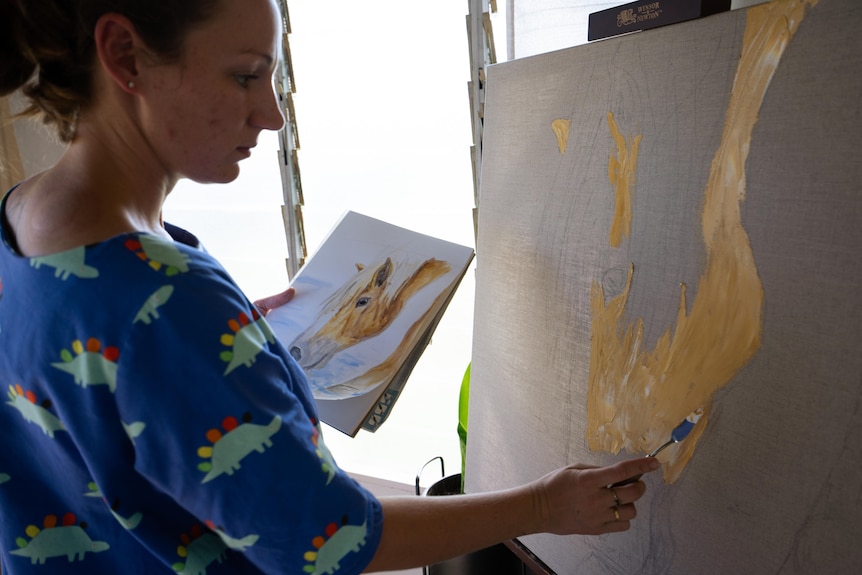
(616, 513)
(616, 498)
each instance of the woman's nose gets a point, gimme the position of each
(268, 115)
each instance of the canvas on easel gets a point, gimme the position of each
(671, 221)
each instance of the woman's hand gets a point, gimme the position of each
(578, 499)
(267, 304)
(575, 499)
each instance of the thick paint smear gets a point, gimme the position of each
(560, 127)
(621, 173)
(637, 396)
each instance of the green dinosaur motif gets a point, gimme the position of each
(67, 540)
(164, 252)
(128, 523)
(159, 254)
(248, 340)
(199, 553)
(228, 450)
(327, 464)
(68, 263)
(25, 403)
(150, 310)
(241, 544)
(330, 550)
(134, 429)
(91, 365)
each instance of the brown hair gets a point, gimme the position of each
(46, 47)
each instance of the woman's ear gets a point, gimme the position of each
(119, 49)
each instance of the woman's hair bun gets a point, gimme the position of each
(47, 48)
(15, 67)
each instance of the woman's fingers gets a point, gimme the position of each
(580, 499)
(617, 496)
(619, 472)
(266, 304)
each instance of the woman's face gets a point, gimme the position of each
(203, 114)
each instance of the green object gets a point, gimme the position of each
(463, 404)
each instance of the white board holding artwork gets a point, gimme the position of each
(671, 220)
(365, 307)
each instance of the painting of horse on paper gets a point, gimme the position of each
(365, 325)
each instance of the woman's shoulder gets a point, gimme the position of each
(115, 273)
(129, 257)
(151, 266)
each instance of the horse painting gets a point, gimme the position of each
(362, 308)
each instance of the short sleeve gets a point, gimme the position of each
(224, 436)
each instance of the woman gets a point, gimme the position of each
(153, 422)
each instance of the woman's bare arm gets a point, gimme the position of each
(573, 500)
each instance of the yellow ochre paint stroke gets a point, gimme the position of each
(636, 397)
(560, 127)
(621, 173)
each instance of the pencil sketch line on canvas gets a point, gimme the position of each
(637, 396)
(361, 309)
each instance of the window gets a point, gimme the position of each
(384, 125)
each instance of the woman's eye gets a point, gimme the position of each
(244, 79)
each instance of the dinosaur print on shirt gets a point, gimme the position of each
(150, 310)
(159, 254)
(248, 338)
(128, 523)
(327, 462)
(134, 429)
(230, 448)
(237, 544)
(64, 540)
(330, 549)
(67, 263)
(25, 403)
(200, 547)
(117, 388)
(91, 365)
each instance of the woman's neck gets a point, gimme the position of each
(94, 192)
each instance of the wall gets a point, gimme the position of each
(27, 147)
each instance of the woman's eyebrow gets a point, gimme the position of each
(268, 57)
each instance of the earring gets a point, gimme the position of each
(131, 84)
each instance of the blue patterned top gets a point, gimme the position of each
(153, 423)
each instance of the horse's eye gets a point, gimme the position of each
(363, 301)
